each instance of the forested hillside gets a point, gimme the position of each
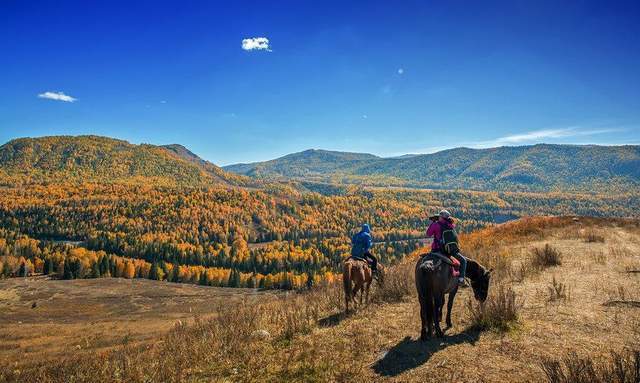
(81, 207)
(238, 237)
(525, 168)
(105, 160)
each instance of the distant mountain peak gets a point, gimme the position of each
(183, 152)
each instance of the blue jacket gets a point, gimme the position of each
(361, 242)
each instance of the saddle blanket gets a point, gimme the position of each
(455, 264)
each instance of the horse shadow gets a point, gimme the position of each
(411, 353)
(334, 319)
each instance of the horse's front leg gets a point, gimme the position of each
(347, 298)
(452, 296)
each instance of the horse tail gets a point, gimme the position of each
(346, 279)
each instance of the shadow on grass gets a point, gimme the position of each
(409, 353)
(334, 319)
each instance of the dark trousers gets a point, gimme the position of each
(373, 261)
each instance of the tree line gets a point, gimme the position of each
(243, 236)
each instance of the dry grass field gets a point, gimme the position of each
(592, 308)
(576, 307)
(44, 319)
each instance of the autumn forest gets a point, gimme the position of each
(146, 219)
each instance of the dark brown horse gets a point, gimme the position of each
(433, 280)
(357, 277)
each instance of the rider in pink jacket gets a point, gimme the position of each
(435, 230)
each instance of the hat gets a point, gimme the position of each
(444, 214)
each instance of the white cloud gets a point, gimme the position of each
(528, 138)
(533, 136)
(537, 135)
(58, 96)
(256, 43)
(400, 70)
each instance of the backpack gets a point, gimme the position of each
(449, 240)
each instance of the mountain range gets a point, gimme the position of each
(540, 167)
(543, 167)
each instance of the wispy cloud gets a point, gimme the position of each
(540, 135)
(256, 43)
(532, 137)
(57, 96)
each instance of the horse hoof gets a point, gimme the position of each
(424, 336)
(449, 324)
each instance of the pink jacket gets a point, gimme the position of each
(435, 231)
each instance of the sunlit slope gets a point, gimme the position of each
(106, 160)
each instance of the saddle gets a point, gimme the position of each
(451, 261)
(366, 261)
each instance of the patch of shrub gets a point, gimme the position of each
(593, 237)
(619, 368)
(397, 283)
(620, 252)
(558, 291)
(599, 257)
(548, 256)
(499, 312)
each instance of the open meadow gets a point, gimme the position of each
(564, 291)
(44, 319)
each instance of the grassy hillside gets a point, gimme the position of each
(105, 160)
(540, 320)
(539, 167)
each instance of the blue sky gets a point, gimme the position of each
(382, 77)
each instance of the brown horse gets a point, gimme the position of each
(359, 273)
(433, 280)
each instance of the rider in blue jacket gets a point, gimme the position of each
(361, 243)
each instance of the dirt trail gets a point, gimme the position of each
(382, 341)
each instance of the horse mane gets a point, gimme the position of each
(475, 270)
